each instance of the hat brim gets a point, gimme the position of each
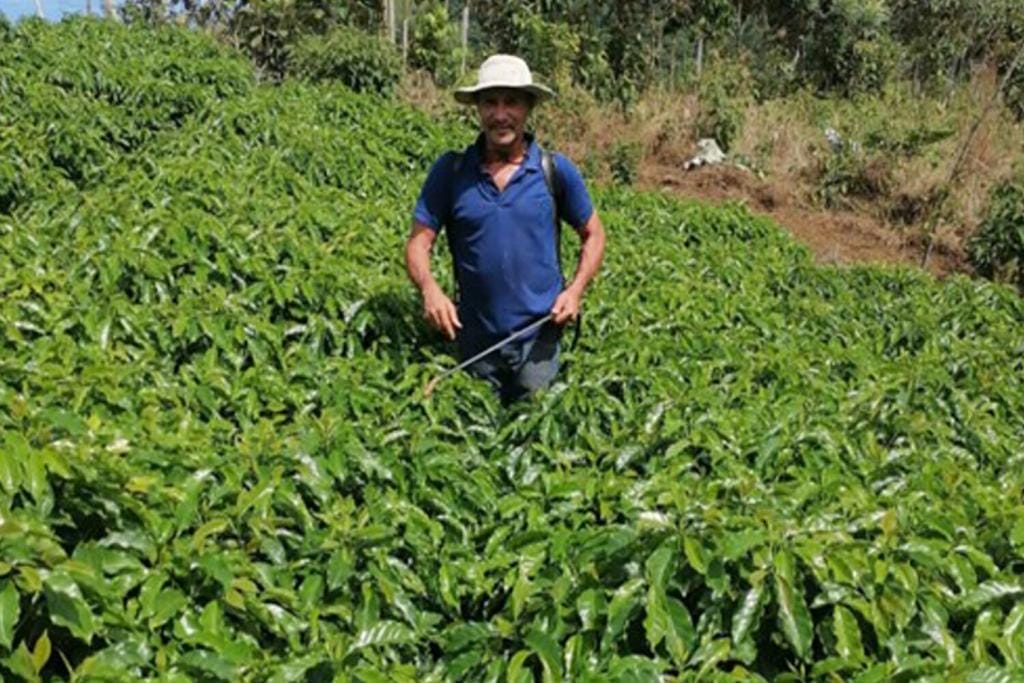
(468, 94)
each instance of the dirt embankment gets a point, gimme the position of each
(835, 237)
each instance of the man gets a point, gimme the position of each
(495, 202)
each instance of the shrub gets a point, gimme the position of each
(850, 48)
(849, 173)
(724, 97)
(361, 61)
(435, 45)
(624, 161)
(996, 250)
(550, 47)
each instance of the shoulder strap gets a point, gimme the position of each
(554, 183)
(552, 180)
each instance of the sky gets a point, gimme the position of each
(52, 9)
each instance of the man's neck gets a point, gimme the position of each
(512, 154)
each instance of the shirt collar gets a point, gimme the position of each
(531, 162)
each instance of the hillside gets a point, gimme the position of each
(217, 463)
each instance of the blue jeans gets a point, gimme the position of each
(522, 367)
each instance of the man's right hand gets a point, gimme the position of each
(440, 312)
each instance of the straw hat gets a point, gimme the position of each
(503, 71)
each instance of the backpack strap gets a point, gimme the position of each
(554, 183)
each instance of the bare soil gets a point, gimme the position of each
(834, 237)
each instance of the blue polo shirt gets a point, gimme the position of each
(503, 242)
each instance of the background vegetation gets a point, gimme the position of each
(907, 85)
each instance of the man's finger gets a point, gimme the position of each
(454, 315)
(446, 328)
(450, 321)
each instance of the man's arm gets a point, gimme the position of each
(438, 309)
(567, 305)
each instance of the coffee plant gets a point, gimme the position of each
(216, 462)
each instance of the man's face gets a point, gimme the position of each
(503, 113)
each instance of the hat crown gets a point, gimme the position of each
(504, 70)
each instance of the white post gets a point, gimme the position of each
(108, 9)
(88, 8)
(465, 37)
(405, 40)
(700, 55)
(392, 15)
(39, 9)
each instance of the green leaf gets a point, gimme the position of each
(10, 610)
(210, 664)
(591, 607)
(991, 674)
(624, 602)
(1017, 533)
(794, 618)
(20, 663)
(10, 471)
(747, 614)
(67, 607)
(295, 670)
(549, 652)
(515, 672)
(521, 591)
(1013, 634)
(660, 566)
(682, 637)
(847, 634)
(383, 633)
(170, 602)
(709, 656)
(696, 554)
(990, 591)
(311, 591)
(41, 651)
(879, 673)
(656, 623)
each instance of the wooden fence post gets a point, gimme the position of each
(389, 20)
(465, 38)
(405, 41)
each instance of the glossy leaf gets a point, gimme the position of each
(794, 617)
(10, 611)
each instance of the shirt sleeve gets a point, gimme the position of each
(434, 204)
(575, 207)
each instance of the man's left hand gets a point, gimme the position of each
(567, 307)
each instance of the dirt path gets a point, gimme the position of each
(833, 236)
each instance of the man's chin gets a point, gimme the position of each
(502, 140)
